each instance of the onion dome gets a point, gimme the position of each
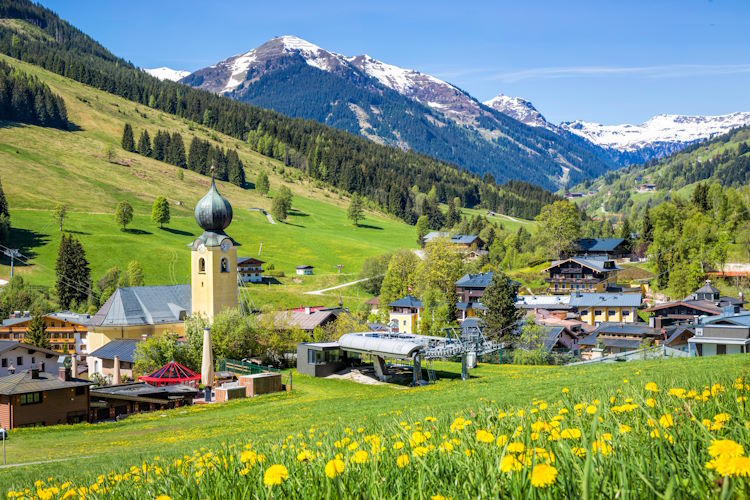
(213, 213)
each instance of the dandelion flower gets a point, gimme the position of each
(516, 447)
(651, 402)
(565, 390)
(419, 451)
(275, 475)
(484, 437)
(725, 448)
(402, 461)
(509, 463)
(570, 434)
(334, 468)
(304, 456)
(360, 457)
(543, 475)
(721, 418)
(666, 420)
(501, 440)
(625, 429)
(398, 445)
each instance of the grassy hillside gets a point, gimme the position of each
(42, 167)
(718, 160)
(326, 416)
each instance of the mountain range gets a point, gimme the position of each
(413, 110)
(404, 108)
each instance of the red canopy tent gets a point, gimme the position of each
(170, 374)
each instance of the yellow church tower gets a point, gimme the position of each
(213, 257)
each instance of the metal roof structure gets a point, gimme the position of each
(213, 213)
(23, 383)
(378, 345)
(145, 305)
(550, 302)
(124, 349)
(598, 244)
(615, 328)
(481, 280)
(306, 320)
(9, 345)
(408, 301)
(459, 239)
(733, 319)
(603, 299)
(170, 374)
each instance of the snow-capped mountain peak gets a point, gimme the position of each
(520, 109)
(165, 73)
(660, 129)
(402, 80)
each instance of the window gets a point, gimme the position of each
(4, 363)
(33, 360)
(315, 357)
(721, 349)
(202, 265)
(19, 361)
(81, 390)
(31, 398)
(224, 265)
(612, 312)
(597, 312)
(626, 313)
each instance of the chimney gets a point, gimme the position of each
(34, 372)
(63, 373)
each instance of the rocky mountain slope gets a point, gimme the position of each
(401, 107)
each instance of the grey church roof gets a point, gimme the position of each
(145, 305)
(124, 349)
(481, 280)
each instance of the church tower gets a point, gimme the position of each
(213, 257)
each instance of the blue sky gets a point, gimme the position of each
(606, 61)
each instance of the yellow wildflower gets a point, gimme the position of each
(516, 447)
(570, 433)
(402, 461)
(725, 448)
(652, 387)
(666, 420)
(484, 436)
(334, 468)
(509, 463)
(360, 457)
(543, 475)
(651, 402)
(275, 474)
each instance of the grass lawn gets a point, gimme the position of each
(42, 167)
(320, 411)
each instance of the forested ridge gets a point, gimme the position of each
(388, 176)
(25, 99)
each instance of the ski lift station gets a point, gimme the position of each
(321, 359)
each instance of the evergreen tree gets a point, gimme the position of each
(235, 169)
(499, 298)
(128, 143)
(176, 151)
(626, 233)
(700, 197)
(647, 227)
(123, 214)
(262, 184)
(356, 211)
(36, 333)
(144, 144)
(4, 217)
(73, 282)
(160, 211)
(161, 145)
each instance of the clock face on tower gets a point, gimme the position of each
(225, 245)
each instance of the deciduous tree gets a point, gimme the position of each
(124, 214)
(160, 211)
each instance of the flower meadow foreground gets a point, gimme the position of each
(638, 442)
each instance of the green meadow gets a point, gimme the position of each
(319, 411)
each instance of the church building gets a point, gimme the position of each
(146, 311)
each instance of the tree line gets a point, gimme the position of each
(383, 174)
(202, 155)
(25, 99)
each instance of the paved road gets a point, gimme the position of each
(343, 285)
(263, 211)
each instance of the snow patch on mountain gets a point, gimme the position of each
(520, 109)
(402, 80)
(165, 73)
(239, 68)
(661, 129)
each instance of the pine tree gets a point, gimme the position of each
(423, 227)
(235, 169)
(128, 143)
(161, 145)
(499, 298)
(144, 144)
(73, 281)
(176, 151)
(4, 217)
(647, 227)
(123, 214)
(262, 184)
(36, 333)
(160, 212)
(356, 210)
